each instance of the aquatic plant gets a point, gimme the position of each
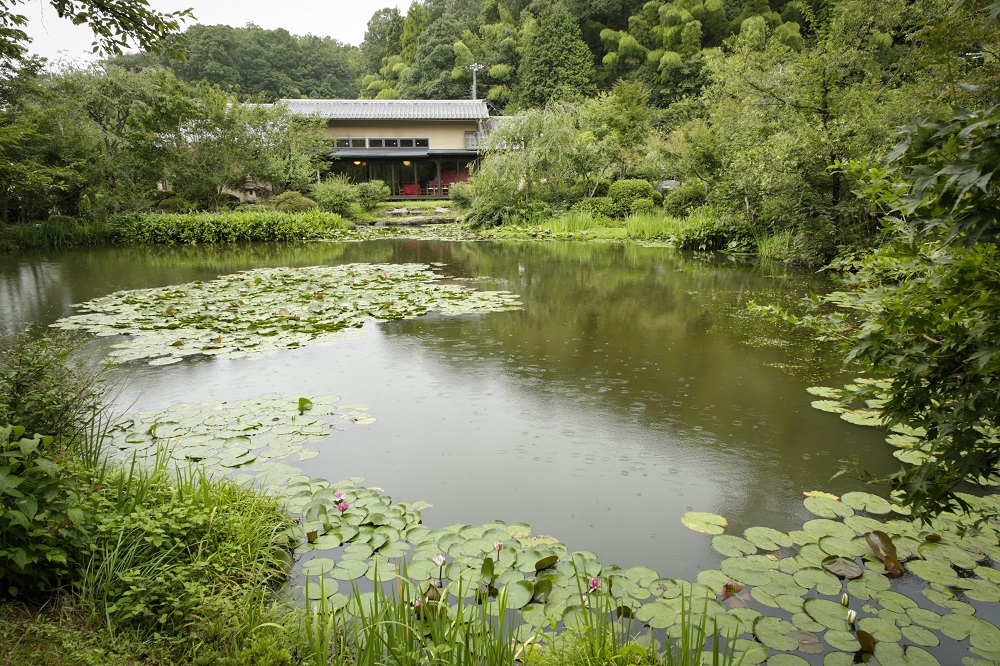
(255, 313)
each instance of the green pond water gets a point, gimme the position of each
(632, 387)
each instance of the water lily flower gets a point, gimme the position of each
(731, 589)
(439, 560)
(845, 600)
(417, 603)
(594, 584)
(343, 506)
(339, 495)
(852, 617)
(498, 545)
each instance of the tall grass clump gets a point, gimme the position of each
(575, 221)
(778, 246)
(230, 227)
(56, 233)
(654, 226)
(336, 194)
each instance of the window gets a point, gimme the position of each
(420, 143)
(357, 143)
(374, 143)
(343, 143)
(406, 143)
(391, 143)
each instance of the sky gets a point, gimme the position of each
(344, 20)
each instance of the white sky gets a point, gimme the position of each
(345, 20)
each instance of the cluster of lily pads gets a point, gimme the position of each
(255, 313)
(252, 441)
(837, 586)
(911, 446)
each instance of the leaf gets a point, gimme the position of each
(304, 405)
(842, 567)
(546, 562)
(883, 547)
(707, 523)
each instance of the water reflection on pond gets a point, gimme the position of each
(633, 387)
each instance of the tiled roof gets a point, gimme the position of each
(390, 109)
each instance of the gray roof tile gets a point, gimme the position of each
(390, 109)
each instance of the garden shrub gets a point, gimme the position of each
(46, 386)
(597, 206)
(371, 194)
(460, 194)
(173, 204)
(641, 207)
(716, 234)
(256, 224)
(337, 195)
(41, 517)
(680, 200)
(624, 193)
(291, 202)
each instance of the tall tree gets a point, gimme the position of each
(556, 63)
(383, 38)
(430, 77)
(116, 25)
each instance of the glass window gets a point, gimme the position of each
(343, 143)
(374, 143)
(391, 143)
(357, 143)
(406, 143)
(420, 143)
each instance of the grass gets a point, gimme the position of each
(61, 234)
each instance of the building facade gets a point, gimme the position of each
(419, 148)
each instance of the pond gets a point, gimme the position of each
(632, 387)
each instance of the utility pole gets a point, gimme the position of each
(475, 67)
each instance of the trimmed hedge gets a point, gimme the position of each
(233, 227)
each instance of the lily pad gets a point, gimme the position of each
(866, 502)
(707, 523)
(842, 567)
(766, 538)
(732, 546)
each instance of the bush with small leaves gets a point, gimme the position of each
(336, 194)
(291, 202)
(371, 194)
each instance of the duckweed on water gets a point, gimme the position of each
(255, 313)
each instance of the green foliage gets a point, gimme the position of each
(291, 202)
(680, 200)
(48, 386)
(235, 227)
(56, 235)
(600, 206)
(40, 517)
(625, 194)
(116, 26)
(430, 76)
(336, 194)
(460, 194)
(716, 234)
(371, 193)
(556, 64)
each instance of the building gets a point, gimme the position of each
(417, 147)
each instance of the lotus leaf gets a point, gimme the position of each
(828, 613)
(866, 502)
(826, 583)
(806, 623)
(891, 653)
(824, 507)
(766, 538)
(656, 614)
(843, 567)
(822, 527)
(880, 628)
(707, 523)
(771, 632)
(169, 323)
(349, 569)
(787, 660)
(809, 643)
(921, 636)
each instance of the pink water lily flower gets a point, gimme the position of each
(343, 506)
(594, 584)
(498, 545)
(439, 560)
(339, 495)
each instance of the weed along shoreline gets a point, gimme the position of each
(202, 531)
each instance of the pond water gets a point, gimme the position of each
(632, 387)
